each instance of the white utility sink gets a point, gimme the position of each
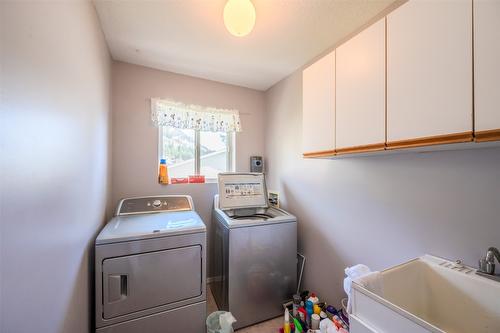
(427, 294)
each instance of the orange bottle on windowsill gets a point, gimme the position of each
(163, 172)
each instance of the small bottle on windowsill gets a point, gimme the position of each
(163, 172)
(197, 179)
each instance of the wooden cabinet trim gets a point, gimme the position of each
(431, 140)
(322, 153)
(481, 136)
(361, 149)
(489, 135)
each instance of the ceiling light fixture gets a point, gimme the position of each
(239, 17)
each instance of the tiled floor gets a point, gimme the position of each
(270, 326)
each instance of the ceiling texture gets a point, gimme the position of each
(189, 36)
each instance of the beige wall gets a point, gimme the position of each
(135, 139)
(55, 77)
(378, 210)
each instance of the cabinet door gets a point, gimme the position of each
(318, 107)
(429, 73)
(487, 69)
(360, 91)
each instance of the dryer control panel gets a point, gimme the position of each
(154, 204)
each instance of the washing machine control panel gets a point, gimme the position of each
(146, 205)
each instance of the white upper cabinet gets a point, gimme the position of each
(318, 107)
(429, 71)
(360, 91)
(487, 65)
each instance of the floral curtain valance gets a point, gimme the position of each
(188, 116)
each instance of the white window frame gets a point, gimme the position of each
(230, 149)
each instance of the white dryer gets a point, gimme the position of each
(150, 268)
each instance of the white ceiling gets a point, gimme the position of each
(189, 37)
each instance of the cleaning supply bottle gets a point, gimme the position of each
(302, 314)
(309, 311)
(296, 304)
(163, 172)
(298, 326)
(315, 321)
(286, 325)
(314, 299)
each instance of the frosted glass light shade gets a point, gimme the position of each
(239, 17)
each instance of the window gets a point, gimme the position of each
(195, 139)
(194, 152)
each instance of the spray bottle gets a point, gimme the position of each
(286, 325)
(309, 312)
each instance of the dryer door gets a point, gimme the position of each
(138, 282)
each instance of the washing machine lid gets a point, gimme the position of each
(136, 227)
(242, 190)
(236, 219)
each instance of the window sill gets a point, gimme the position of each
(207, 181)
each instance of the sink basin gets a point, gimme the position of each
(427, 294)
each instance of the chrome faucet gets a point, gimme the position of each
(487, 263)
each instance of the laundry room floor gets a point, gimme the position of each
(270, 326)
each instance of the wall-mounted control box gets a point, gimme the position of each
(256, 164)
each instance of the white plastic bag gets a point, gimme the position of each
(353, 273)
(220, 322)
(226, 321)
(327, 326)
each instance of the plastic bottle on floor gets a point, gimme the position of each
(314, 299)
(286, 325)
(309, 312)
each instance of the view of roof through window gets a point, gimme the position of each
(178, 148)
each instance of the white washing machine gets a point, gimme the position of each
(150, 268)
(255, 250)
